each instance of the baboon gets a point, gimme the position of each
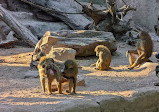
(157, 71)
(144, 48)
(48, 69)
(104, 61)
(34, 62)
(70, 72)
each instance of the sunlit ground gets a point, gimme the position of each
(119, 81)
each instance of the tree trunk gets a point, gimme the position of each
(18, 28)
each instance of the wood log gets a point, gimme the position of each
(17, 27)
(63, 10)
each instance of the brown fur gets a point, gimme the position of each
(48, 69)
(144, 49)
(104, 61)
(70, 72)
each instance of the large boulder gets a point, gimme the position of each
(83, 41)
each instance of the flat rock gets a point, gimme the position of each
(31, 74)
(83, 41)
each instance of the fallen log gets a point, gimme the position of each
(62, 10)
(18, 28)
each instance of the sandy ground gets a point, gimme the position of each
(19, 92)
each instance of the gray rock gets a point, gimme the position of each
(37, 27)
(31, 74)
(146, 14)
(141, 101)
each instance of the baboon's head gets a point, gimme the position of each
(69, 67)
(86, 10)
(143, 35)
(47, 63)
(98, 49)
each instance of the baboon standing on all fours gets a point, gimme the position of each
(104, 61)
(144, 49)
(48, 69)
(70, 73)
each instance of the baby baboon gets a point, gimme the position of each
(103, 63)
(34, 62)
(144, 48)
(70, 72)
(48, 69)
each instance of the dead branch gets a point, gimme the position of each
(18, 28)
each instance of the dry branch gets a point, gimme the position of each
(18, 28)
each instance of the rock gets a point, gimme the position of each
(37, 27)
(31, 74)
(130, 38)
(146, 14)
(83, 41)
(65, 84)
(9, 42)
(81, 83)
(62, 53)
(68, 6)
(45, 17)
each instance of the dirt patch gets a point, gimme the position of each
(17, 92)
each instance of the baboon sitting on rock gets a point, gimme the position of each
(144, 49)
(104, 61)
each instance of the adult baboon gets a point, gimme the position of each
(70, 72)
(48, 69)
(144, 49)
(104, 61)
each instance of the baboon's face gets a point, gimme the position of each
(97, 50)
(69, 67)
